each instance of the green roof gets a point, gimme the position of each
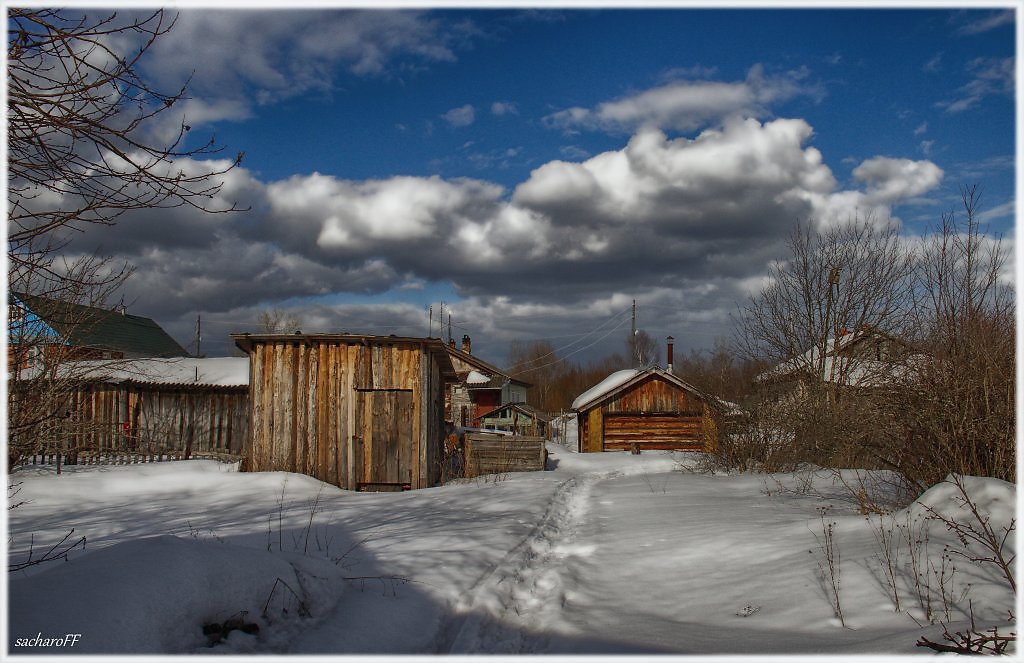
(92, 327)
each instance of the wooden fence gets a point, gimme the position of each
(144, 418)
(109, 457)
(500, 454)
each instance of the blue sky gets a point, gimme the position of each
(540, 169)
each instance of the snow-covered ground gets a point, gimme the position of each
(604, 553)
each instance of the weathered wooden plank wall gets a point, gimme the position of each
(351, 412)
(150, 417)
(500, 454)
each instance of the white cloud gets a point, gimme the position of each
(990, 77)
(500, 108)
(236, 60)
(688, 105)
(892, 180)
(463, 116)
(990, 22)
(676, 214)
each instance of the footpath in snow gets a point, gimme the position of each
(603, 553)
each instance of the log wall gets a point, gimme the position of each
(650, 414)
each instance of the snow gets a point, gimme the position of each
(476, 377)
(216, 371)
(607, 553)
(609, 384)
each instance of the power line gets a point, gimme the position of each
(580, 337)
(562, 359)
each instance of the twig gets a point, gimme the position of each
(50, 554)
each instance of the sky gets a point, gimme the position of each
(538, 170)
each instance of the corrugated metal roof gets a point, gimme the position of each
(209, 372)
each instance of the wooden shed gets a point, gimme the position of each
(518, 418)
(646, 409)
(183, 404)
(360, 412)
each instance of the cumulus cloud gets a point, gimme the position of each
(463, 116)
(891, 180)
(686, 105)
(659, 215)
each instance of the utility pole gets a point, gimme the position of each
(199, 335)
(632, 338)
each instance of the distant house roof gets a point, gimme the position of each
(208, 372)
(605, 386)
(478, 374)
(528, 410)
(91, 327)
(846, 362)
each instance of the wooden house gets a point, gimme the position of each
(866, 358)
(516, 418)
(42, 332)
(480, 387)
(646, 409)
(360, 412)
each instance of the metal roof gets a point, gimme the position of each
(91, 327)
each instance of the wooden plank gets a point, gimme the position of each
(300, 439)
(595, 430)
(496, 454)
(334, 439)
(311, 418)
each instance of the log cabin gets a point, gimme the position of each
(641, 409)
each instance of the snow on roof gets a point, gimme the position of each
(476, 377)
(609, 384)
(216, 371)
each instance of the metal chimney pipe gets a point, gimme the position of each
(669, 361)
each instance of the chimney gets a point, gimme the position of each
(451, 343)
(466, 345)
(669, 359)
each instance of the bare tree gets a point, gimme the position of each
(279, 321)
(961, 417)
(837, 288)
(643, 349)
(538, 363)
(81, 153)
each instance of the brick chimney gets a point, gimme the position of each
(668, 361)
(466, 344)
(451, 343)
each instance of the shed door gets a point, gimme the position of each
(383, 451)
(652, 431)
